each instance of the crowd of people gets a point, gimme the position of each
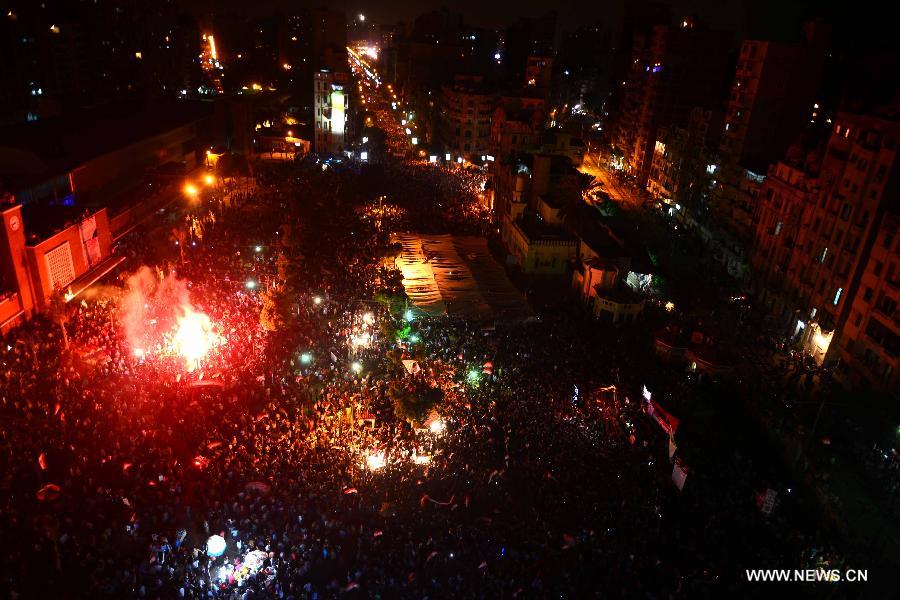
(118, 467)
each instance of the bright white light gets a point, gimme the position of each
(447, 156)
(365, 139)
(375, 460)
(305, 358)
(356, 367)
(258, 248)
(250, 285)
(408, 131)
(432, 159)
(215, 545)
(437, 427)
(496, 56)
(422, 459)
(415, 141)
(368, 318)
(317, 300)
(362, 17)
(364, 155)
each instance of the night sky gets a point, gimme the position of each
(765, 19)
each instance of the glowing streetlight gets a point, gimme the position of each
(317, 300)
(258, 249)
(305, 358)
(356, 367)
(209, 179)
(361, 17)
(437, 427)
(250, 285)
(191, 190)
(409, 315)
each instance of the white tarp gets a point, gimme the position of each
(456, 275)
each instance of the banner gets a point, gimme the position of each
(666, 420)
(679, 474)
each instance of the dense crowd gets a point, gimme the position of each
(118, 468)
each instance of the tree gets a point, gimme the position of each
(414, 400)
(58, 312)
(275, 309)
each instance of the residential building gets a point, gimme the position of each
(466, 108)
(679, 68)
(869, 344)
(682, 165)
(772, 99)
(817, 230)
(331, 96)
(539, 73)
(516, 126)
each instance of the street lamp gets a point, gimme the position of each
(191, 190)
(356, 367)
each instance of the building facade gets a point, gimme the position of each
(331, 96)
(816, 236)
(465, 117)
(679, 68)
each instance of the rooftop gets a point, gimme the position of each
(536, 229)
(32, 152)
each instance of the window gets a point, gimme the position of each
(59, 264)
(883, 336)
(845, 211)
(878, 267)
(778, 228)
(837, 295)
(867, 294)
(857, 319)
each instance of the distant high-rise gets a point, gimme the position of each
(679, 68)
(62, 55)
(772, 99)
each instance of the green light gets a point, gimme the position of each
(473, 376)
(413, 339)
(305, 358)
(408, 315)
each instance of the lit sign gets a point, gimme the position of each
(337, 111)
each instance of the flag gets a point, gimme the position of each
(42, 461)
(349, 491)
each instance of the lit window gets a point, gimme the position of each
(837, 295)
